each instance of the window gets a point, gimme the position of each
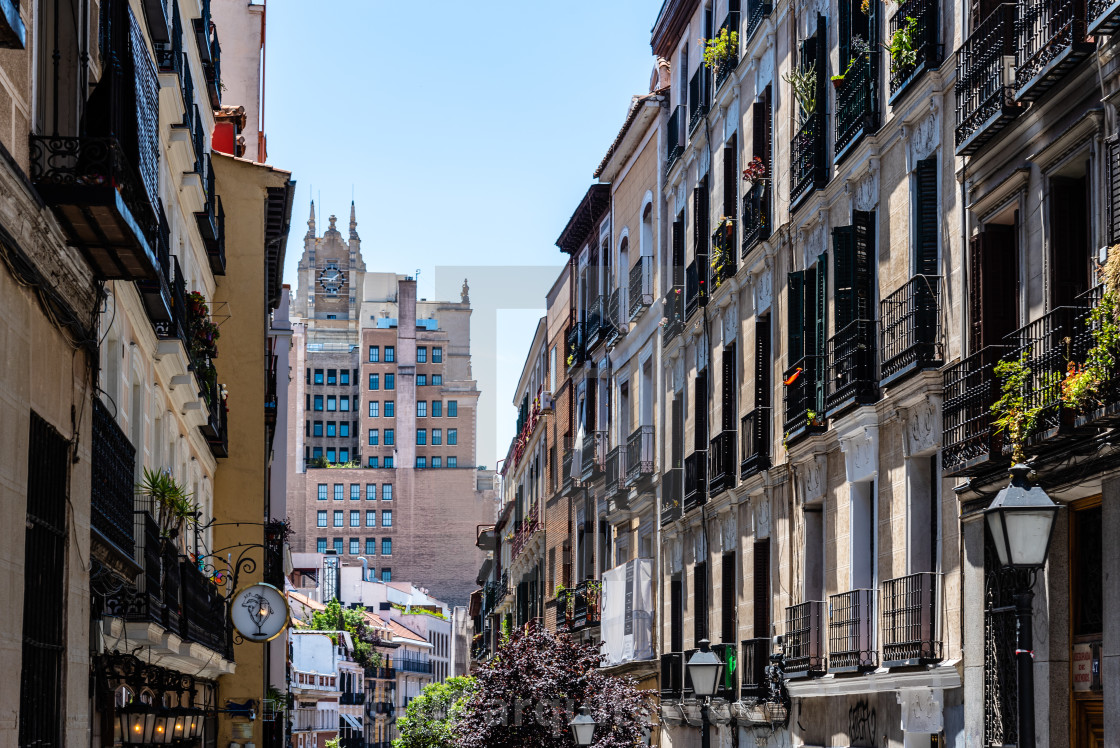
(422, 409)
(372, 462)
(387, 518)
(389, 437)
(374, 354)
(437, 355)
(390, 354)
(421, 355)
(338, 492)
(344, 376)
(371, 491)
(332, 403)
(390, 409)
(337, 542)
(386, 491)
(452, 408)
(318, 430)
(318, 402)
(317, 452)
(437, 436)
(375, 381)
(344, 455)
(421, 380)
(332, 376)
(321, 518)
(354, 547)
(307, 428)
(421, 462)
(437, 462)
(437, 379)
(371, 518)
(388, 462)
(331, 428)
(453, 436)
(344, 428)
(320, 545)
(373, 437)
(437, 408)
(338, 518)
(330, 455)
(344, 403)
(355, 491)
(386, 546)
(374, 407)
(371, 547)
(322, 492)
(318, 376)
(355, 519)
(386, 574)
(452, 462)
(309, 376)
(390, 382)
(421, 436)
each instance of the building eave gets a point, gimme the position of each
(669, 26)
(591, 208)
(641, 115)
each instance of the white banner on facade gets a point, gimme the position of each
(627, 612)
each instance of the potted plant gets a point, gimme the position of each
(804, 85)
(172, 504)
(720, 49)
(755, 171)
(903, 46)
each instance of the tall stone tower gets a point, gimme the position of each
(331, 277)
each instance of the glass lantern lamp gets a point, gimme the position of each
(704, 668)
(583, 727)
(1021, 520)
(137, 723)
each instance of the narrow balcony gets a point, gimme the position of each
(804, 398)
(673, 321)
(639, 455)
(929, 52)
(756, 216)
(722, 471)
(695, 286)
(671, 494)
(641, 288)
(724, 69)
(851, 632)
(568, 482)
(112, 494)
(215, 429)
(155, 292)
(757, 12)
(857, 104)
(1051, 42)
(851, 367)
(969, 443)
(672, 676)
(756, 656)
(169, 53)
(727, 688)
(616, 478)
(577, 353)
(1103, 408)
(616, 328)
(594, 330)
(755, 437)
(176, 327)
(213, 70)
(699, 96)
(808, 151)
(695, 480)
(211, 219)
(909, 620)
(724, 258)
(352, 698)
(594, 455)
(985, 80)
(102, 201)
(421, 665)
(1104, 17)
(910, 322)
(675, 136)
(805, 653)
(585, 608)
(524, 531)
(202, 26)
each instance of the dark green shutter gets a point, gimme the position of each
(843, 270)
(727, 403)
(863, 250)
(678, 251)
(731, 177)
(795, 312)
(820, 317)
(700, 599)
(762, 588)
(926, 218)
(1113, 151)
(700, 411)
(762, 361)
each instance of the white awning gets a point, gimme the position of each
(351, 720)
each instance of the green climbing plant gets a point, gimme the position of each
(1014, 413)
(903, 46)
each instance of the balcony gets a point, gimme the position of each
(215, 429)
(169, 53)
(641, 287)
(804, 398)
(568, 482)
(674, 142)
(1104, 17)
(616, 328)
(727, 687)
(175, 329)
(928, 51)
(212, 219)
(594, 454)
(1051, 42)
(851, 631)
(102, 201)
(577, 353)
(413, 665)
(910, 322)
(672, 676)
(639, 455)
(756, 216)
(731, 26)
(156, 292)
(807, 157)
(1104, 406)
(213, 70)
(695, 480)
(805, 653)
(111, 481)
(752, 666)
(671, 482)
(857, 104)
(757, 11)
(382, 707)
(699, 96)
(724, 258)
(721, 453)
(851, 367)
(984, 87)
(969, 442)
(674, 313)
(755, 436)
(616, 473)
(695, 286)
(524, 531)
(585, 607)
(352, 698)
(910, 620)
(594, 323)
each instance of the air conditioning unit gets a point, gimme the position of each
(546, 401)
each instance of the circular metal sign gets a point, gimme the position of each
(259, 612)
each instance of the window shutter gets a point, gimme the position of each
(731, 176)
(700, 600)
(843, 269)
(700, 411)
(678, 251)
(676, 615)
(146, 82)
(678, 432)
(727, 404)
(795, 311)
(762, 588)
(994, 285)
(728, 629)
(702, 221)
(845, 12)
(820, 55)
(758, 129)
(820, 299)
(589, 408)
(863, 238)
(925, 218)
(762, 363)
(1113, 150)
(1069, 240)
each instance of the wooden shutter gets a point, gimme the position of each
(762, 588)
(843, 270)
(1069, 239)
(845, 19)
(702, 222)
(731, 177)
(700, 601)
(926, 218)
(994, 284)
(762, 362)
(678, 431)
(795, 313)
(820, 301)
(676, 614)
(589, 408)
(678, 251)
(820, 56)
(727, 401)
(761, 129)
(700, 411)
(1113, 153)
(863, 252)
(728, 599)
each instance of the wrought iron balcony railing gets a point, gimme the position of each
(910, 334)
(924, 16)
(757, 11)
(805, 652)
(212, 218)
(985, 80)
(851, 367)
(857, 104)
(727, 687)
(755, 658)
(156, 292)
(804, 398)
(756, 215)
(639, 455)
(594, 454)
(674, 143)
(968, 440)
(755, 437)
(695, 286)
(723, 69)
(699, 96)
(352, 698)
(674, 313)
(641, 287)
(1104, 408)
(594, 332)
(672, 676)
(909, 620)
(111, 481)
(1104, 16)
(695, 480)
(169, 54)
(1051, 41)
(568, 482)
(214, 430)
(808, 151)
(672, 482)
(721, 455)
(615, 326)
(176, 327)
(616, 472)
(851, 631)
(411, 665)
(585, 608)
(213, 69)
(724, 259)
(577, 353)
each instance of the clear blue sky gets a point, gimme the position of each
(466, 131)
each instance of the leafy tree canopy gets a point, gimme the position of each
(352, 620)
(429, 721)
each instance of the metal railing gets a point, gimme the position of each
(723, 69)
(674, 313)
(699, 96)
(909, 620)
(926, 15)
(641, 287)
(851, 631)
(111, 481)
(695, 480)
(805, 652)
(722, 468)
(577, 352)
(585, 607)
(968, 437)
(910, 328)
(1051, 40)
(804, 397)
(857, 107)
(352, 698)
(808, 150)
(757, 10)
(671, 495)
(724, 259)
(614, 316)
(756, 215)
(567, 481)
(851, 366)
(755, 658)
(984, 88)
(412, 665)
(169, 55)
(639, 454)
(672, 676)
(594, 454)
(594, 322)
(755, 438)
(674, 142)
(1104, 16)
(695, 286)
(615, 472)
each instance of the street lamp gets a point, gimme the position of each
(1021, 520)
(583, 727)
(137, 722)
(704, 669)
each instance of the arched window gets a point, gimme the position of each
(624, 278)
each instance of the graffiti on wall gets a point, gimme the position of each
(861, 725)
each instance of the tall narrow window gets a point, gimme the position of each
(729, 600)
(762, 588)
(700, 602)
(676, 614)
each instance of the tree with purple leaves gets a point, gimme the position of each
(529, 691)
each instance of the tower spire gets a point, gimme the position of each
(311, 222)
(353, 222)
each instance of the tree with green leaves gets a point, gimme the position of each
(352, 620)
(429, 721)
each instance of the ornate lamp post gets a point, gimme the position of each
(583, 727)
(1021, 520)
(704, 668)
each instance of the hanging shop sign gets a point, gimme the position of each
(259, 612)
